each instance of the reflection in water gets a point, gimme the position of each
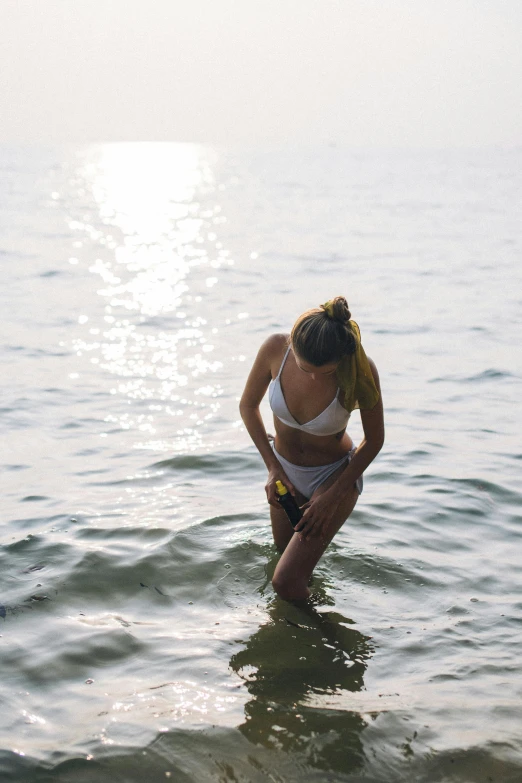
(294, 667)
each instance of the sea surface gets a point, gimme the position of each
(141, 639)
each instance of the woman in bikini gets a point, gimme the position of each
(317, 376)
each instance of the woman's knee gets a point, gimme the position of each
(289, 589)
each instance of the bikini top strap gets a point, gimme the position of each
(283, 362)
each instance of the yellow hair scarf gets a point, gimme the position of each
(354, 373)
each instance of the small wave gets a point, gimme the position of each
(138, 535)
(15, 467)
(404, 330)
(417, 454)
(490, 374)
(488, 489)
(72, 652)
(218, 462)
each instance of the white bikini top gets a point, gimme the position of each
(332, 420)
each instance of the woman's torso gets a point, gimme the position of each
(305, 401)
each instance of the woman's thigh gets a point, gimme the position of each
(302, 555)
(282, 530)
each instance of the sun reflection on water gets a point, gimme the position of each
(155, 231)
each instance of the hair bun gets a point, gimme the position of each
(337, 309)
(324, 334)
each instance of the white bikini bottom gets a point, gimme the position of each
(307, 479)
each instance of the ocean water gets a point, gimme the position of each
(140, 635)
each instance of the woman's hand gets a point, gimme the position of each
(318, 515)
(277, 474)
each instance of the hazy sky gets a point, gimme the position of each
(386, 72)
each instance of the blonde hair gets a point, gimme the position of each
(324, 334)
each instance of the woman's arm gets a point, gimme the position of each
(325, 503)
(371, 444)
(257, 383)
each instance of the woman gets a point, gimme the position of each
(317, 376)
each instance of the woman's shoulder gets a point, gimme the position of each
(275, 344)
(373, 368)
(273, 349)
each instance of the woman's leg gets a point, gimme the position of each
(282, 530)
(301, 555)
